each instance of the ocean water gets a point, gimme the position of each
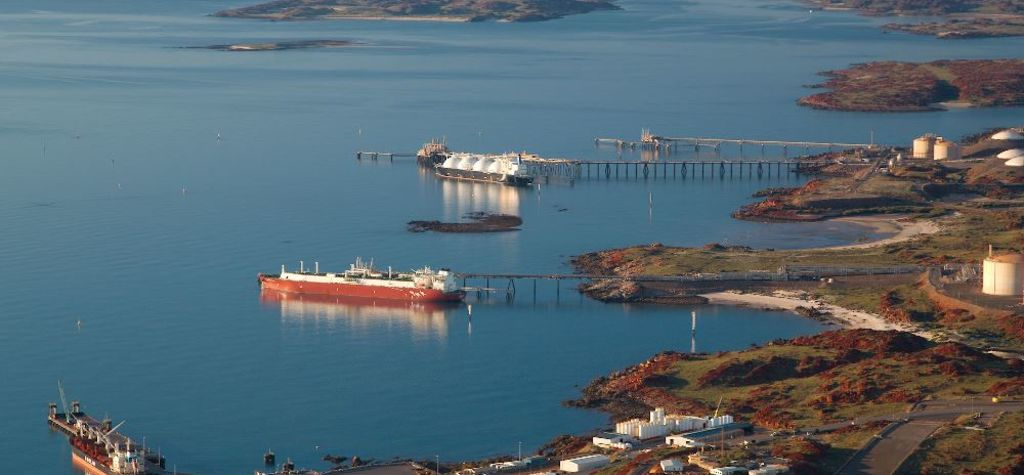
(131, 236)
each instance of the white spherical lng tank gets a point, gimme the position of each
(1011, 153)
(1015, 162)
(1008, 135)
(482, 165)
(1003, 275)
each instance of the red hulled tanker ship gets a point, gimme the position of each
(362, 280)
(98, 449)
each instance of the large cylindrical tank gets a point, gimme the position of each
(923, 146)
(1003, 275)
(945, 149)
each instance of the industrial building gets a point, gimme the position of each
(709, 436)
(1003, 274)
(583, 464)
(612, 440)
(672, 466)
(660, 424)
(770, 469)
(727, 470)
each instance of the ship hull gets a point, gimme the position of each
(473, 175)
(360, 291)
(84, 462)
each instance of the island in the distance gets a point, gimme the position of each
(277, 46)
(960, 18)
(430, 10)
(891, 86)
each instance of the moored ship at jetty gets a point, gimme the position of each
(433, 153)
(506, 168)
(99, 449)
(363, 280)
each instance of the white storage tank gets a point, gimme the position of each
(1011, 153)
(1003, 274)
(1008, 135)
(923, 146)
(467, 163)
(1015, 162)
(449, 162)
(945, 150)
(583, 464)
(482, 165)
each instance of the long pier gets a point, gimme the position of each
(571, 169)
(782, 274)
(649, 141)
(360, 155)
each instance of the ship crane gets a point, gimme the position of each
(64, 402)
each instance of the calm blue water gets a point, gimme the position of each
(121, 210)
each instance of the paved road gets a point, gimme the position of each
(884, 454)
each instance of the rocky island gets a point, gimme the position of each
(961, 18)
(890, 86)
(430, 10)
(278, 46)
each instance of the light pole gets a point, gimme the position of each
(437, 461)
(520, 451)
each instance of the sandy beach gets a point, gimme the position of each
(786, 300)
(904, 230)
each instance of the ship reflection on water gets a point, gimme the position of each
(461, 197)
(424, 319)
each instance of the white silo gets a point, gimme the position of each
(945, 149)
(923, 146)
(1011, 153)
(1003, 274)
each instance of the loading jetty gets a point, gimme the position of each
(783, 274)
(606, 170)
(650, 141)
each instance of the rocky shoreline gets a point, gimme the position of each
(479, 222)
(423, 10)
(892, 86)
(277, 46)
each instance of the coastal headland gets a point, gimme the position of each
(890, 86)
(941, 217)
(423, 10)
(960, 18)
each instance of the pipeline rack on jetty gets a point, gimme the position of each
(649, 141)
(784, 273)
